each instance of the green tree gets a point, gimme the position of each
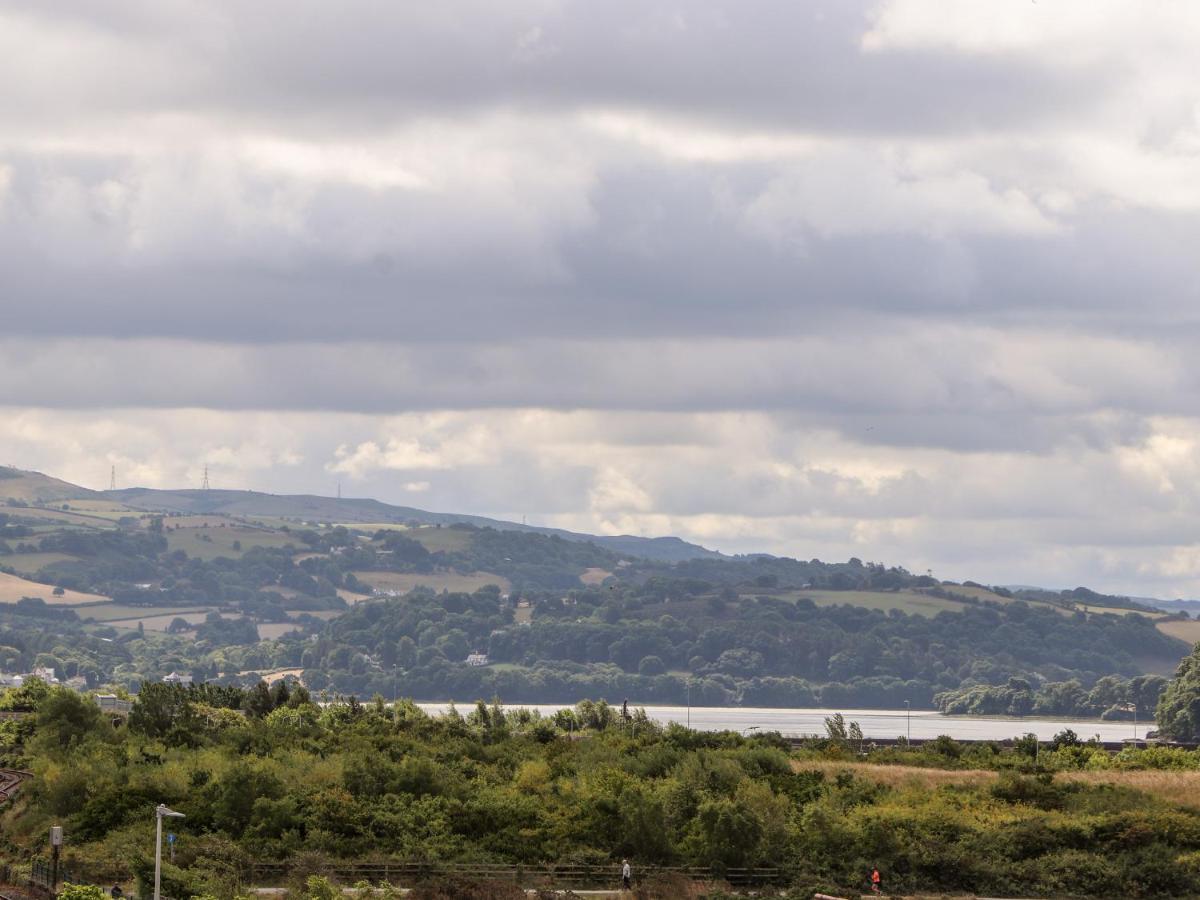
(159, 709)
(66, 718)
(258, 703)
(1178, 712)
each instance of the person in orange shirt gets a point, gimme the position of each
(876, 881)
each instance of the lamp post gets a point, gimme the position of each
(159, 812)
(908, 723)
(689, 702)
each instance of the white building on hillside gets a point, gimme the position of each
(176, 678)
(477, 659)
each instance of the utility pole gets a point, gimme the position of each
(689, 703)
(112, 481)
(908, 722)
(204, 483)
(159, 812)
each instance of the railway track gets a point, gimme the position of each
(11, 781)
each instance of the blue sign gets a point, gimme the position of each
(170, 838)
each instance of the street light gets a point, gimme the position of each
(908, 722)
(159, 812)
(689, 702)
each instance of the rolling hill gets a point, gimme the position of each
(312, 508)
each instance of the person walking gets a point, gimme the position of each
(876, 881)
(626, 876)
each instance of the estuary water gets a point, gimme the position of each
(875, 723)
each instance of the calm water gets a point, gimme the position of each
(875, 723)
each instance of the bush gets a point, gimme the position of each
(466, 889)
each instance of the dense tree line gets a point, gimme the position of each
(1109, 698)
(667, 638)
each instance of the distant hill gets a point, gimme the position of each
(311, 508)
(34, 487)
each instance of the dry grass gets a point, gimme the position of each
(158, 623)
(1179, 787)
(275, 675)
(1184, 629)
(897, 776)
(594, 576)
(450, 581)
(13, 589)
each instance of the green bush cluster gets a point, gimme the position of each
(313, 787)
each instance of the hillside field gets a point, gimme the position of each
(1184, 629)
(32, 563)
(13, 588)
(438, 581)
(906, 601)
(209, 543)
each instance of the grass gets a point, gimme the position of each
(13, 588)
(978, 593)
(158, 622)
(31, 563)
(269, 631)
(1184, 629)
(897, 776)
(594, 576)
(273, 676)
(1174, 786)
(430, 537)
(1117, 611)
(198, 521)
(106, 509)
(61, 517)
(438, 581)
(117, 612)
(209, 543)
(905, 601)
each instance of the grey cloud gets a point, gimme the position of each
(647, 250)
(785, 65)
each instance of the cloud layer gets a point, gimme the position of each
(882, 278)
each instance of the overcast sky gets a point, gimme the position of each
(907, 280)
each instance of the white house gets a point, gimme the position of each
(477, 659)
(176, 678)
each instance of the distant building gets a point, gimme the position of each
(111, 703)
(477, 659)
(11, 681)
(46, 674)
(176, 678)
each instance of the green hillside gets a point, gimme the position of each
(123, 585)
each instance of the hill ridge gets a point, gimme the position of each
(38, 486)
